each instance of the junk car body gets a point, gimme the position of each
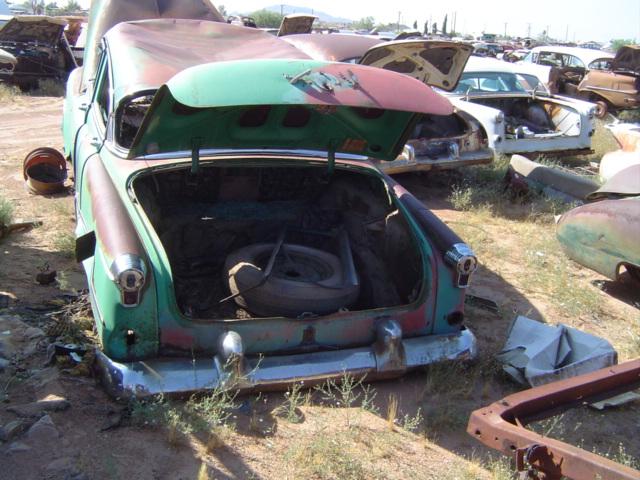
(572, 63)
(234, 235)
(617, 87)
(40, 48)
(437, 141)
(519, 114)
(603, 235)
(563, 70)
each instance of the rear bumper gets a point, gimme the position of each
(421, 163)
(390, 356)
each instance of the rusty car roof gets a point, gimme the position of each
(106, 14)
(335, 47)
(147, 53)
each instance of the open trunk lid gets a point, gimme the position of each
(436, 63)
(296, 23)
(627, 60)
(40, 29)
(285, 104)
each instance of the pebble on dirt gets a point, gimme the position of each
(12, 429)
(51, 403)
(43, 431)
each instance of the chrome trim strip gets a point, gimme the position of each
(213, 152)
(612, 90)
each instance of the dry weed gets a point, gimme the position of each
(392, 411)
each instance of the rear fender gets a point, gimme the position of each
(126, 332)
(449, 310)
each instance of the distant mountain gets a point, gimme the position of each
(322, 16)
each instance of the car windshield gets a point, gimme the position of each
(492, 82)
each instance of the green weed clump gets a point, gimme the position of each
(6, 211)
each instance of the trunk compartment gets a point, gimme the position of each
(527, 117)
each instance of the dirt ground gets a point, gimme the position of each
(92, 437)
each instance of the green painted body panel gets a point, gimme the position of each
(300, 104)
(603, 235)
(116, 320)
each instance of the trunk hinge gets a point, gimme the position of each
(331, 158)
(196, 143)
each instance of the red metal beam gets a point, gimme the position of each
(501, 425)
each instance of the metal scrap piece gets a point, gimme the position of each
(501, 425)
(537, 353)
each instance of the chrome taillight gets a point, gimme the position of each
(462, 258)
(129, 273)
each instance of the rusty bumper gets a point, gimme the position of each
(423, 164)
(389, 356)
(501, 425)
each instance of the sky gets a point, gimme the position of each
(600, 20)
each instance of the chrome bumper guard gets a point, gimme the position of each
(390, 356)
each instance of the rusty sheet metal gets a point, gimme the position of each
(551, 181)
(150, 52)
(627, 59)
(38, 28)
(44, 170)
(296, 23)
(434, 62)
(335, 47)
(603, 236)
(105, 14)
(628, 137)
(501, 425)
(114, 229)
(623, 184)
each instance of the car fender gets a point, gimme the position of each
(486, 116)
(126, 332)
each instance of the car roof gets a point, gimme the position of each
(105, 14)
(146, 54)
(333, 46)
(484, 64)
(587, 55)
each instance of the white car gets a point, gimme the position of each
(517, 112)
(7, 61)
(570, 63)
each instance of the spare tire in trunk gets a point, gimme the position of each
(303, 280)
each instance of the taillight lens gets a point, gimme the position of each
(129, 273)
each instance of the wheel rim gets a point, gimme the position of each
(297, 267)
(601, 109)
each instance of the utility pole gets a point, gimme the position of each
(455, 21)
(548, 36)
(529, 30)
(566, 35)
(398, 29)
(505, 29)
(281, 7)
